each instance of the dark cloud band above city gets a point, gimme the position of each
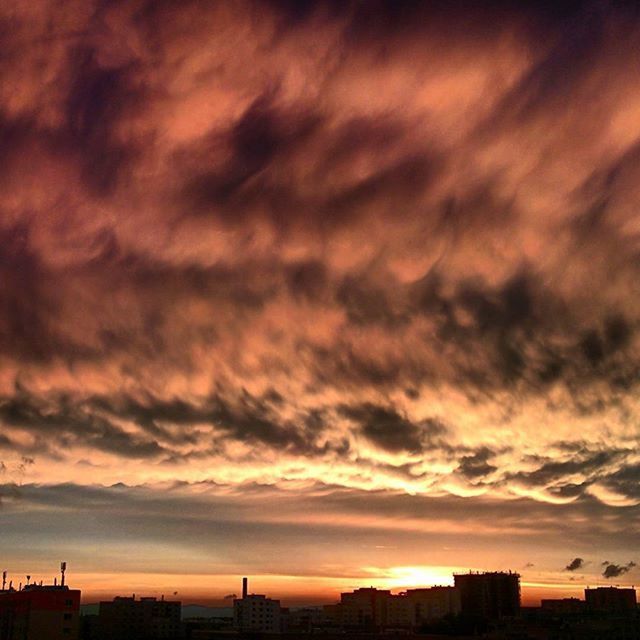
(389, 248)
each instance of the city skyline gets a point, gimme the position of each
(290, 590)
(328, 292)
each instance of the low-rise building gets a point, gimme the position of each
(376, 609)
(37, 612)
(562, 606)
(610, 600)
(255, 612)
(433, 603)
(148, 618)
(365, 608)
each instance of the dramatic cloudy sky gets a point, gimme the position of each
(327, 293)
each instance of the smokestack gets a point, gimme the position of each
(4, 579)
(63, 568)
(245, 587)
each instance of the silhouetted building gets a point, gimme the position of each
(433, 603)
(363, 609)
(143, 619)
(610, 600)
(303, 620)
(562, 606)
(375, 609)
(490, 595)
(39, 612)
(255, 612)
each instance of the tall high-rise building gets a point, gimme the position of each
(490, 595)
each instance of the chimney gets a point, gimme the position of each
(245, 587)
(4, 579)
(63, 568)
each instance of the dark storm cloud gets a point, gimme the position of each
(477, 465)
(263, 135)
(626, 480)
(324, 230)
(166, 426)
(28, 300)
(585, 462)
(575, 564)
(615, 570)
(98, 100)
(67, 423)
(389, 430)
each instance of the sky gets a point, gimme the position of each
(330, 294)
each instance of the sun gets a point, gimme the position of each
(414, 576)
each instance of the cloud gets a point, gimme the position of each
(477, 465)
(615, 570)
(575, 564)
(391, 431)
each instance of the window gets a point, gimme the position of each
(67, 616)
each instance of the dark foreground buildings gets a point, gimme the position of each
(491, 595)
(610, 600)
(143, 619)
(39, 612)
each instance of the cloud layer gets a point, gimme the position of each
(384, 246)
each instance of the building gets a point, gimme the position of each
(400, 614)
(431, 604)
(365, 608)
(375, 609)
(303, 620)
(39, 611)
(610, 600)
(562, 606)
(255, 612)
(146, 618)
(490, 595)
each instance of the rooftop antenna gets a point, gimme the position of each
(28, 579)
(4, 579)
(63, 568)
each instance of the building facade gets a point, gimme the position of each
(376, 609)
(562, 606)
(491, 595)
(610, 600)
(431, 604)
(146, 618)
(257, 613)
(37, 612)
